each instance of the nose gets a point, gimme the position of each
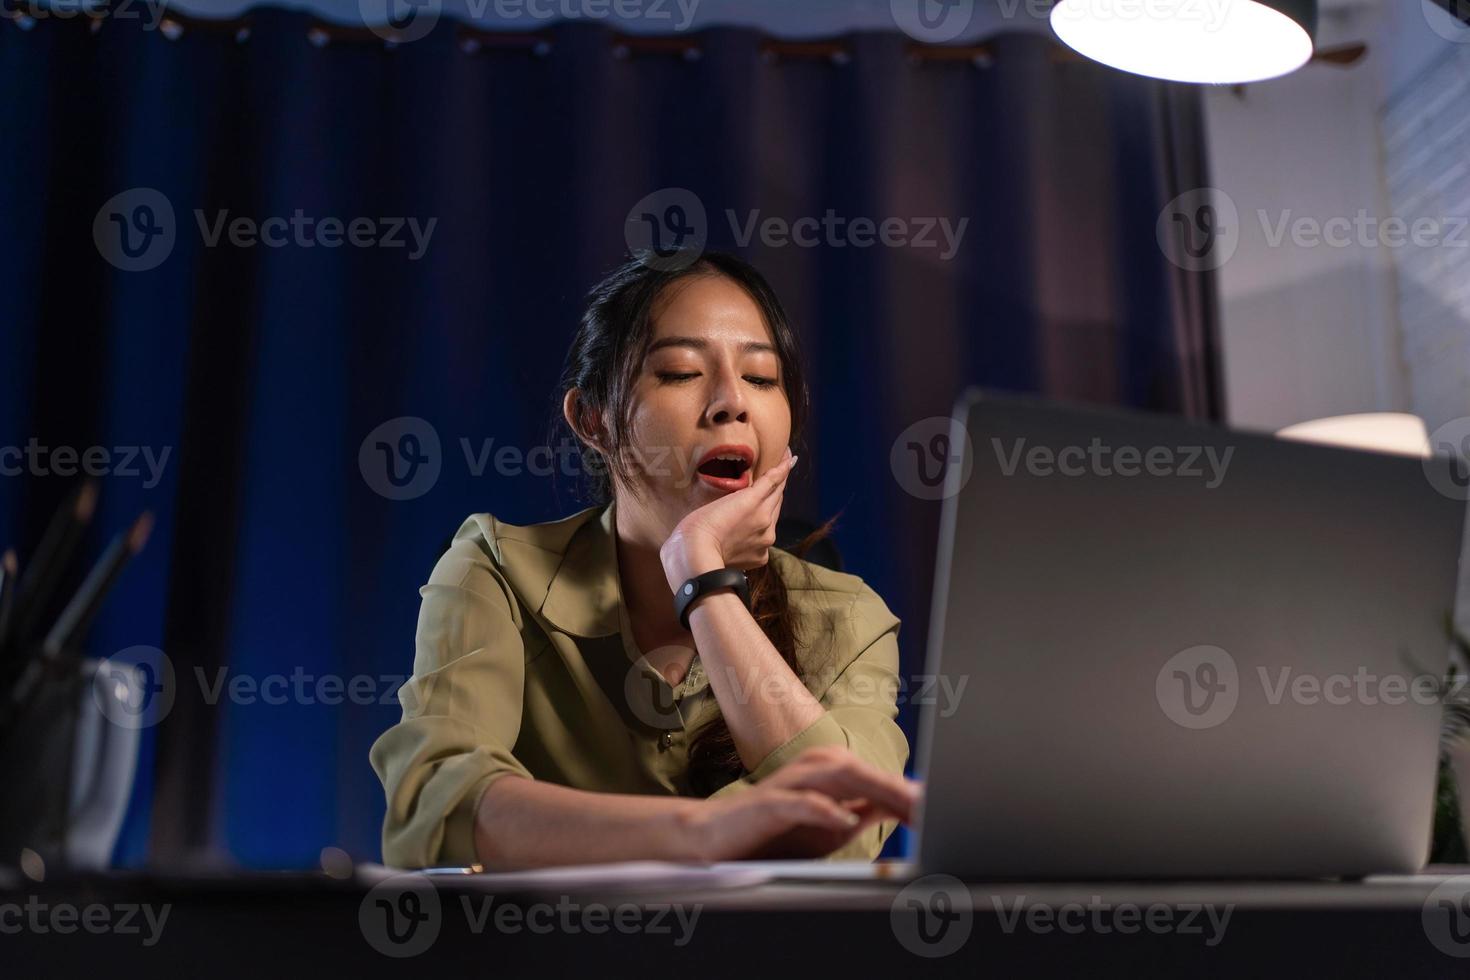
(727, 400)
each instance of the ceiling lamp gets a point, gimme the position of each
(1218, 41)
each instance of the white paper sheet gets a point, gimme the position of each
(620, 876)
(656, 875)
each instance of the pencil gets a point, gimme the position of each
(71, 627)
(50, 560)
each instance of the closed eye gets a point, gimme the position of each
(673, 377)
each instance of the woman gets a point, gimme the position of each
(559, 712)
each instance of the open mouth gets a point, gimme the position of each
(725, 467)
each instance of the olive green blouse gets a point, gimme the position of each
(525, 663)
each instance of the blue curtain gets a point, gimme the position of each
(261, 370)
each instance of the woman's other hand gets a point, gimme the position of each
(808, 808)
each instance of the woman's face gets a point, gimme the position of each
(709, 412)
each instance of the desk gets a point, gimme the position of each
(296, 925)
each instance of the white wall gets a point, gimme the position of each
(1309, 329)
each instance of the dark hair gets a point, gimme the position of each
(603, 364)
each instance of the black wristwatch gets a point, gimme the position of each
(702, 585)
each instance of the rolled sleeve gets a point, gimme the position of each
(861, 715)
(461, 714)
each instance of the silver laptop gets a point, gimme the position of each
(1185, 651)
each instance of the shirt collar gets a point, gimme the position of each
(585, 597)
(584, 594)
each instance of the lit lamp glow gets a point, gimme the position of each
(1384, 432)
(1215, 41)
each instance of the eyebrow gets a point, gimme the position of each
(700, 344)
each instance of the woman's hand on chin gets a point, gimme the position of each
(808, 808)
(737, 530)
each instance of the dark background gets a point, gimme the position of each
(263, 370)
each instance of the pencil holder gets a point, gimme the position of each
(68, 762)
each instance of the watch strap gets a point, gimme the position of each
(702, 585)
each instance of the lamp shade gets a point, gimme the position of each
(1219, 41)
(1385, 432)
